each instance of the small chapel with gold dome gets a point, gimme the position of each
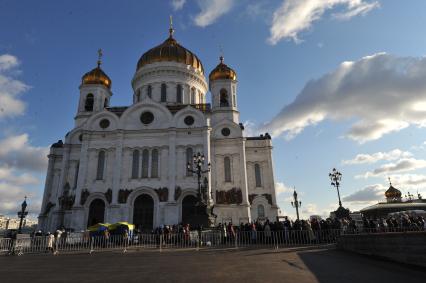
(130, 163)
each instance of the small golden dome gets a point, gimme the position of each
(97, 76)
(170, 51)
(222, 72)
(393, 193)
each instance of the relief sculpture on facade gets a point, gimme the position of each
(108, 195)
(84, 195)
(163, 194)
(268, 198)
(233, 196)
(251, 197)
(123, 195)
(178, 193)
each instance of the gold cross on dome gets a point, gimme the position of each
(99, 57)
(171, 30)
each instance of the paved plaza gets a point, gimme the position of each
(303, 265)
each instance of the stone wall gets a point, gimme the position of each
(404, 247)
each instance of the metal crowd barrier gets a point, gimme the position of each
(83, 243)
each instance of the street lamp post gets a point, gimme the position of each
(336, 178)
(296, 204)
(22, 214)
(197, 168)
(204, 199)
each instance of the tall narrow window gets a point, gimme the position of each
(154, 163)
(88, 106)
(101, 165)
(145, 163)
(224, 100)
(179, 94)
(106, 103)
(189, 154)
(257, 175)
(193, 96)
(149, 91)
(227, 166)
(135, 164)
(163, 93)
(260, 211)
(77, 168)
(234, 101)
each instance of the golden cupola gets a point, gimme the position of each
(170, 51)
(97, 76)
(222, 72)
(392, 194)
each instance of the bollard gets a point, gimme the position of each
(161, 241)
(91, 245)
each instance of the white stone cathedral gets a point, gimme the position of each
(130, 163)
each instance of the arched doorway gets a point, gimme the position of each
(96, 212)
(191, 213)
(143, 212)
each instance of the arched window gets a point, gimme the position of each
(163, 93)
(179, 94)
(260, 211)
(101, 165)
(106, 103)
(149, 91)
(154, 163)
(145, 163)
(227, 166)
(234, 101)
(200, 97)
(189, 154)
(257, 175)
(193, 96)
(224, 100)
(88, 106)
(135, 164)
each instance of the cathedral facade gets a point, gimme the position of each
(131, 163)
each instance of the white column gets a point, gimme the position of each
(207, 155)
(118, 164)
(172, 164)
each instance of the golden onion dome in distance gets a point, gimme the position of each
(97, 76)
(170, 51)
(222, 72)
(393, 193)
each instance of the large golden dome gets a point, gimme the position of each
(222, 72)
(170, 51)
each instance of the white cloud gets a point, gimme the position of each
(294, 16)
(10, 89)
(408, 181)
(12, 196)
(379, 93)
(402, 165)
(378, 156)
(17, 152)
(211, 10)
(178, 4)
(8, 175)
(281, 188)
(369, 194)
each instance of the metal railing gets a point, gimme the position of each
(82, 243)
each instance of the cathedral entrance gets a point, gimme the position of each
(193, 214)
(96, 212)
(143, 212)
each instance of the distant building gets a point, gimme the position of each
(394, 203)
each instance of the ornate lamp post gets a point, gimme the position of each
(197, 168)
(22, 214)
(336, 178)
(296, 204)
(204, 199)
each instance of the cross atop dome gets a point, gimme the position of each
(171, 30)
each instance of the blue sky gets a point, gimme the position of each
(292, 82)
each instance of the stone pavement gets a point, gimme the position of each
(303, 265)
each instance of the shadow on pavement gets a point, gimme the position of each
(332, 266)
